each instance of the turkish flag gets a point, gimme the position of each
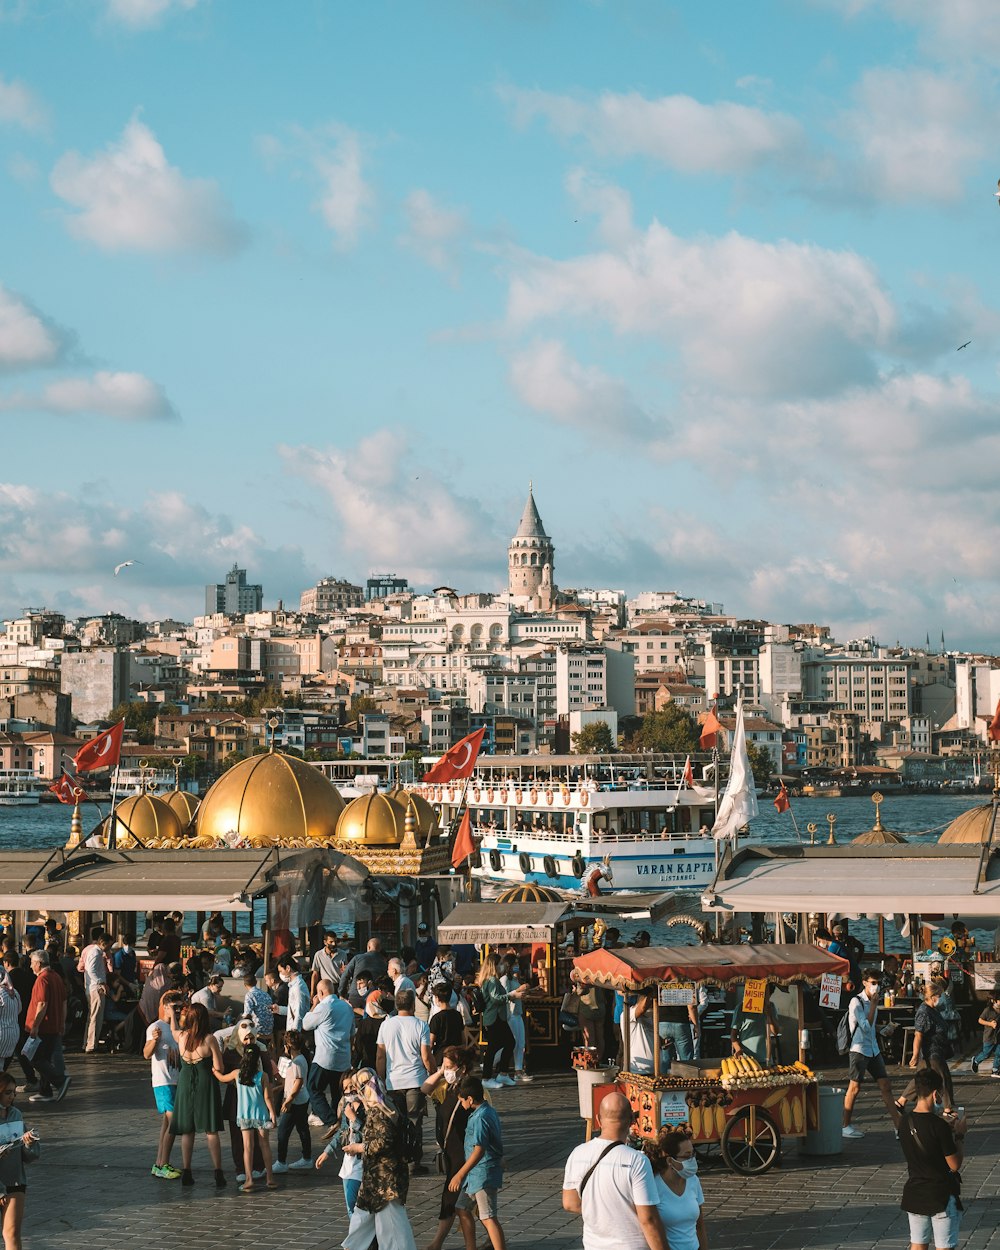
(994, 730)
(464, 845)
(65, 791)
(688, 773)
(710, 726)
(458, 763)
(100, 752)
(781, 800)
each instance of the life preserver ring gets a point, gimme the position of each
(503, 795)
(579, 866)
(565, 795)
(584, 797)
(495, 861)
(518, 795)
(698, 925)
(489, 795)
(549, 797)
(451, 794)
(549, 864)
(477, 793)
(533, 794)
(524, 862)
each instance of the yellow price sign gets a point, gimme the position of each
(753, 996)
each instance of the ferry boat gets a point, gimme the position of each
(561, 820)
(19, 787)
(156, 781)
(354, 777)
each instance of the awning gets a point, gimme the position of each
(139, 880)
(631, 968)
(857, 880)
(506, 922)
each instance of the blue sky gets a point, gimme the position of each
(318, 287)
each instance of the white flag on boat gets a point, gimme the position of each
(739, 803)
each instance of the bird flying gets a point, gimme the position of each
(964, 346)
(124, 565)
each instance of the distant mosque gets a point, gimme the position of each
(531, 560)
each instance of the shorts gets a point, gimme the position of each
(939, 1230)
(14, 1189)
(874, 1065)
(165, 1096)
(484, 1200)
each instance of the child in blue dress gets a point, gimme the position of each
(255, 1114)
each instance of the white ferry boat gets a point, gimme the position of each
(354, 777)
(19, 787)
(154, 781)
(555, 820)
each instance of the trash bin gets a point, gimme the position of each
(586, 1080)
(827, 1138)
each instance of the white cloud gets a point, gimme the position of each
(548, 379)
(19, 106)
(914, 136)
(144, 13)
(27, 340)
(394, 511)
(126, 396)
(962, 29)
(743, 316)
(677, 131)
(131, 199)
(432, 230)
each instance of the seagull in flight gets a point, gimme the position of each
(964, 346)
(124, 565)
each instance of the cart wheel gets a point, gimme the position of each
(751, 1143)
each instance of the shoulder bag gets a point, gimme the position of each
(590, 1171)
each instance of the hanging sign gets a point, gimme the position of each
(753, 996)
(829, 990)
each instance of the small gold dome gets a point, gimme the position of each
(528, 892)
(972, 826)
(878, 837)
(184, 803)
(274, 798)
(373, 820)
(147, 817)
(427, 819)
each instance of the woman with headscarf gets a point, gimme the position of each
(380, 1211)
(442, 1087)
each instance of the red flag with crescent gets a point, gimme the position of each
(458, 763)
(100, 752)
(710, 726)
(464, 845)
(65, 791)
(994, 730)
(781, 800)
(688, 774)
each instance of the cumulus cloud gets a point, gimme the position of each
(129, 198)
(395, 512)
(139, 14)
(961, 29)
(27, 339)
(126, 396)
(433, 230)
(548, 379)
(677, 131)
(20, 106)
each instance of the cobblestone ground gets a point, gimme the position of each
(92, 1189)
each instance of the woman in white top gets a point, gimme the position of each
(678, 1189)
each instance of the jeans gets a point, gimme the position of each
(936, 1230)
(296, 1117)
(351, 1189)
(679, 1032)
(390, 1225)
(47, 1066)
(498, 1038)
(990, 1048)
(319, 1080)
(411, 1103)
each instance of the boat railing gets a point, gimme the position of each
(618, 839)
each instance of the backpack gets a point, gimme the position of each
(411, 1140)
(845, 1034)
(477, 1003)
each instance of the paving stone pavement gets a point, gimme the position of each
(92, 1189)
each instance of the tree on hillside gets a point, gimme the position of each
(673, 730)
(595, 739)
(761, 763)
(362, 703)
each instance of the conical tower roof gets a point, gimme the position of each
(531, 523)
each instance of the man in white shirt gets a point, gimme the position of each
(324, 964)
(208, 997)
(94, 964)
(400, 981)
(403, 1061)
(298, 993)
(865, 1054)
(612, 1187)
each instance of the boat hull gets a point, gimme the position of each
(666, 865)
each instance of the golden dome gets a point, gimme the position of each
(427, 818)
(269, 800)
(373, 820)
(528, 892)
(972, 826)
(148, 818)
(878, 837)
(184, 803)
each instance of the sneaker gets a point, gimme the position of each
(259, 1176)
(169, 1172)
(496, 1083)
(974, 1066)
(61, 1094)
(29, 1087)
(316, 1122)
(299, 1164)
(523, 1078)
(996, 1075)
(504, 1079)
(156, 1170)
(850, 1131)
(42, 1098)
(278, 1166)
(241, 1178)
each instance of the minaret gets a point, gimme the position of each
(531, 560)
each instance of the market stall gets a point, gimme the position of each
(744, 1107)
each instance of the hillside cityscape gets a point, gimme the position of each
(383, 670)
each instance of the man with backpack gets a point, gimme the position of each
(857, 1038)
(403, 1061)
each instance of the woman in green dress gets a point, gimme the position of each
(198, 1107)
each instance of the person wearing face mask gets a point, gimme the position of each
(934, 1149)
(865, 1055)
(442, 1088)
(298, 993)
(678, 1189)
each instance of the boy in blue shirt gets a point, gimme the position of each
(477, 1182)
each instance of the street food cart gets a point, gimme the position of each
(742, 1107)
